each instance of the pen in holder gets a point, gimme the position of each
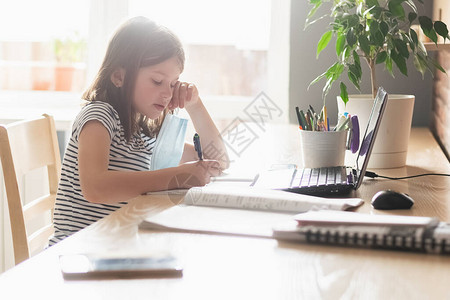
(323, 145)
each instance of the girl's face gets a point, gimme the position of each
(154, 87)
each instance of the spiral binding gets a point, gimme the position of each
(423, 239)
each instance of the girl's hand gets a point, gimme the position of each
(185, 95)
(197, 173)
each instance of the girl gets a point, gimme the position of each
(107, 160)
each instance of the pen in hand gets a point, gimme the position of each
(197, 146)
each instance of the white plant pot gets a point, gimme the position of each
(391, 144)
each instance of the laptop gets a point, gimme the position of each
(333, 180)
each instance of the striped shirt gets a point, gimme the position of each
(72, 212)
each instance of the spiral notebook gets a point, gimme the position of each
(406, 233)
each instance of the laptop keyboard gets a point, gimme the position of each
(319, 177)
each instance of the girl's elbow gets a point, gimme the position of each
(92, 194)
(92, 198)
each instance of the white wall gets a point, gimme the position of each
(278, 56)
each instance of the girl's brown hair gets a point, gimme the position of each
(137, 43)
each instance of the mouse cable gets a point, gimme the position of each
(375, 175)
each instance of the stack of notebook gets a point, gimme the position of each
(421, 234)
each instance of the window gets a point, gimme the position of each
(226, 42)
(40, 41)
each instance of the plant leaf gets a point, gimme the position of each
(355, 70)
(359, 10)
(314, 21)
(328, 74)
(373, 27)
(427, 26)
(340, 43)
(327, 87)
(425, 23)
(413, 35)
(367, 11)
(351, 38)
(402, 48)
(376, 37)
(317, 4)
(419, 66)
(317, 79)
(357, 60)
(400, 62)
(437, 65)
(344, 93)
(346, 53)
(389, 65)
(364, 44)
(441, 29)
(411, 17)
(371, 3)
(323, 42)
(424, 60)
(379, 39)
(409, 41)
(353, 79)
(332, 74)
(396, 9)
(384, 28)
(432, 35)
(376, 11)
(381, 57)
(353, 20)
(421, 49)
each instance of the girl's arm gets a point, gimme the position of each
(100, 185)
(186, 95)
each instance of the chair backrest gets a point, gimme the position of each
(26, 146)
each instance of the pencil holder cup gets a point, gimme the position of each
(323, 148)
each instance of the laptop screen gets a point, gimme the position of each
(370, 134)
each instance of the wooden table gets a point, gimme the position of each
(219, 267)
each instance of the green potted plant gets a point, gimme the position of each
(69, 51)
(377, 32)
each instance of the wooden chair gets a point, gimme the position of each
(26, 146)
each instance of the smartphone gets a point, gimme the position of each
(94, 266)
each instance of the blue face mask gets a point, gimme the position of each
(169, 144)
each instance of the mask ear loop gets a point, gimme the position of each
(160, 120)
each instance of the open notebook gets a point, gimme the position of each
(251, 198)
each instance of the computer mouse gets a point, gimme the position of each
(391, 200)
